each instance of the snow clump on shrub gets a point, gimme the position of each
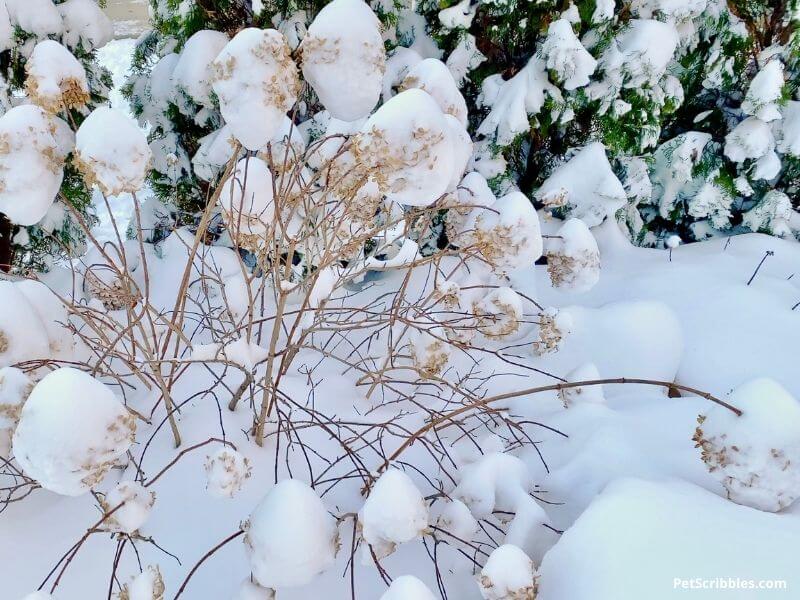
(589, 393)
(71, 432)
(508, 574)
(226, 470)
(394, 513)
(343, 58)
(432, 75)
(573, 259)
(407, 587)
(135, 502)
(755, 456)
(85, 24)
(290, 537)
(55, 80)
(508, 234)
(248, 590)
(499, 313)
(147, 585)
(192, 74)
(256, 82)
(247, 198)
(117, 162)
(430, 351)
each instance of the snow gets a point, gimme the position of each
(117, 163)
(147, 585)
(226, 470)
(23, 333)
(85, 25)
(499, 313)
(764, 92)
(37, 17)
(55, 80)
(394, 513)
(630, 514)
(509, 234)
(192, 73)
(135, 503)
(585, 185)
(752, 138)
(583, 393)
(573, 259)
(247, 197)
(433, 76)
(343, 39)
(566, 55)
(458, 15)
(508, 574)
(290, 537)
(31, 164)
(256, 83)
(6, 29)
(789, 136)
(72, 430)
(407, 587)
(457, 519)
(252, 591)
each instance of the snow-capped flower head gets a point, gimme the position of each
(583, 394)
(32, 324)
(116, 284)
(15, 387)
(457, 519)
(290, 536)
(226, 472)
(85, 25)
(72, 430)
(507, 235)
(394, 513)
(147, 585)
(554, 325)
(246, 198)
(407, 587)
(32, 152)
(585, 185)
(430, 351)
(116, 163)
(566, 55)
(433, 76)
(508, 574)
(249, 590)
(408, 147)
(573, 259)
(256, 82)
(192, 74)
(756, 455)
(55, 80)
(764, 94)
(40, 18)
(343, 58)
(135, 503)
(499, 313)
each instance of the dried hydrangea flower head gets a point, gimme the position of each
(55, 79)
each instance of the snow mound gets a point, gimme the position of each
(71, 432)
(226, 472)
(116, 163)
(408, 144)
(589, 393)
(673, 513)
(193, 72)
(573, 259)
(55, 80)
(458, 520)
(247, 198)
(394, 513)
(85, 25)
(508, 235)
(508, 574)
(755, 456)
(31, 164)
(136, 504)
(585, 185)
(344, 39)
(407, 587)
(256, 82)
(433, 76)
(290, 536)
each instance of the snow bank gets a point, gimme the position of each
(116, 163)
(71, 432)
(55, 80)
(290, 537)
(343, 58)
(256, 82)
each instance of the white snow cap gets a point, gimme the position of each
(38, 17)
(256, 82)
(755, 456)
(25, 328)
(15, 387)
(55, 79)
(192, 74)
(137, 502)
(508, 574)
(457, 519)
(586, 185)
(343, 58)
(249, 590)
(509, 233)
(147, 585)
(247, 197)
(52, 314)
(85, 24)
(71, 432)
(394, 513)
(31, 164)
(112, 151)
(566, 55)
(6, 29)
(408, 587)
(764, 92)
(39, 595)
(499, 313)
(430, 351)
(589, 393)
(290, 537)
(226, 472)
(573, 259)
(789, 133)
(410, 142)
(752, 138)
(433, 76)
